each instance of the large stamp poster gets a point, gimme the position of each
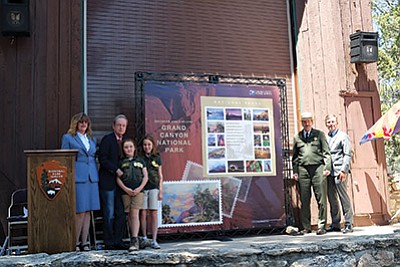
(238, 136)
(224, 133)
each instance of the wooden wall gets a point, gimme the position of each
(40, 88)
(329, 83)
(205, 36)
(323, 52)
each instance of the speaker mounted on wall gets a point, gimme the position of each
(15, 17)
(364, 47)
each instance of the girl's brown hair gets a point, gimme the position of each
(123, 143)
(154, 150)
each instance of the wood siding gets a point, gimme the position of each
(40, 88)
(329, 83)
(323, 54)
(222, 37)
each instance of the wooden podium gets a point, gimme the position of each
(51, 200)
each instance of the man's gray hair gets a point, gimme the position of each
(331, 116)
(120, 116)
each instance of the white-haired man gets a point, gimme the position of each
(340, 147)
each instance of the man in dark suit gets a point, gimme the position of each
(113, 211)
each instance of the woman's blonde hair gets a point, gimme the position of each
(73, 126)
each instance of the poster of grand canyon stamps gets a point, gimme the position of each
(191, 203)
(238, 136)
(190, 142)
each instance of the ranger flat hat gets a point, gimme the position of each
(306, 115)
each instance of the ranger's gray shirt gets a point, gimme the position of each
(341, 152)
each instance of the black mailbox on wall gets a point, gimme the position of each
(15, 17)
(364, 47)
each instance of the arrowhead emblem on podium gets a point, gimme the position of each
(51, 176)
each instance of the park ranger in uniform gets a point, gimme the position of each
(311, 165)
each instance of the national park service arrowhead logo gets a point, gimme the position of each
(51, 176)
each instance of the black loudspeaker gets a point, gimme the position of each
(15, 17)
(364, 47)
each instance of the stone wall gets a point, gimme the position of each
(360, 251)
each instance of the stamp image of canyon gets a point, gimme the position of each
(233, 114)
(216, 153)
(262, 153)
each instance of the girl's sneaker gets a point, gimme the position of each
(143, 242)
(155, 245)
(134, 244)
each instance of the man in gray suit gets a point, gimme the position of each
(340, 148)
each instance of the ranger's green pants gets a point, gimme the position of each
(311, 176)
